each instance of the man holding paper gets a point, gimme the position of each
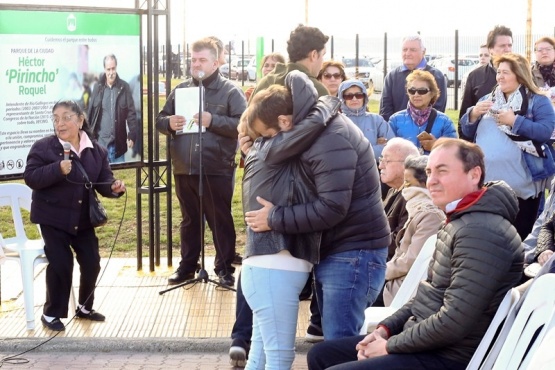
(223, 105)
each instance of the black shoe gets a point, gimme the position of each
(314, 334)
(179, 277)
(55, 324)
(226, 279)
(237, 260)
(238, 353)
(92, 315)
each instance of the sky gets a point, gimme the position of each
(247, 19)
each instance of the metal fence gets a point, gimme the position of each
(384, 47)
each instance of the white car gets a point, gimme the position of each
(251, 70)
(447, 67)
(365, 67)
(376, 75)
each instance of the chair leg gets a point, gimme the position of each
(72, 301)
(27, 277)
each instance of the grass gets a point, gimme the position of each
(124, 210)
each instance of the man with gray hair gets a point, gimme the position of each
(394, 95)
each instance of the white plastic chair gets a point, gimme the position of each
(507, 304)
(27, 252)
(534, 310)
(407, 290)
(544, 356)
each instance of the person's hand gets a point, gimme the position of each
(544, 256)
(382, 141)
(65, 167)
(258, 220)
(505, 117)
(245, 143)
(177, 122)
(130, 144)
(427, 143)
(480, 109)
(118, 187)
(373, 345)
(206, 119)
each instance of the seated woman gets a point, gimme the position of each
(512, 126)
(424, 221)
(420, 122)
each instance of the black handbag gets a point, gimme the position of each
(97, 212)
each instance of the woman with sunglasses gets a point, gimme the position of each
(420, 122)
(354, 99)
(61, 208)
(332, 75)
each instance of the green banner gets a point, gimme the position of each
(68, 23)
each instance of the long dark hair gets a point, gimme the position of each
(75, 108)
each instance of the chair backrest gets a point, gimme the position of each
(507, 304)
(417, 272)
(534, 310)
(544, 355)
(18, 197)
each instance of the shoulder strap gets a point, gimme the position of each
(431, 119)
(88, 183)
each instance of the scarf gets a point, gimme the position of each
(419, 116)
(548, 74)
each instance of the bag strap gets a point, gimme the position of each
(88, 183)
(431, 119)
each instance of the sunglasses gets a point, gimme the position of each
(328, 76)
(420, 91)
(358, 95)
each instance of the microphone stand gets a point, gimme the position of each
(202, 274)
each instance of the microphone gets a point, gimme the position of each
(200, 75)
(67, 149)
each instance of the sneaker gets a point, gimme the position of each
(237, 260)
(92, 315)
(55, 325)
(238, 353)
(226, 278)
(179, 277)
(314, 334)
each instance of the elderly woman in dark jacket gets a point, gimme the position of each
(61, 207)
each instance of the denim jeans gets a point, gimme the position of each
(273, 296)
(112, 155)
(341, 354)
(347, 283)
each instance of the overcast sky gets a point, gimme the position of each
(248, 19)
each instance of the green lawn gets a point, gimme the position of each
(125, 211)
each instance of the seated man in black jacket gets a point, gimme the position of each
(478, 258)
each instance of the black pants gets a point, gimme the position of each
(59, 271)
(340, 354)
(216, 201)
(526, 216)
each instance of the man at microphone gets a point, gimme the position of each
(223, 103)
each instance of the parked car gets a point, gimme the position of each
(364, 68)
(251, 69)
(447, 66)
(230, 73)
(377, 77)
(242, 65)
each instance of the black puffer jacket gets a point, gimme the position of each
(349, 208)
(226, 102)
(478, 258)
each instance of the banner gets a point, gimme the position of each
(50, 56)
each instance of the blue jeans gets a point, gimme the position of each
(273, 296)
(112, 155)
(347, 283)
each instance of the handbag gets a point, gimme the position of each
(97, 213)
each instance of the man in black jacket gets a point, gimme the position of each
(478, 258)
(112, 115)
(223, 103)
(481, 80)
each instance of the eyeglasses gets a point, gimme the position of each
(386, 161)
(328, 76)
(358, 95)
(541, 50)
(420, 91)
(484, 55)
(66, 118)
